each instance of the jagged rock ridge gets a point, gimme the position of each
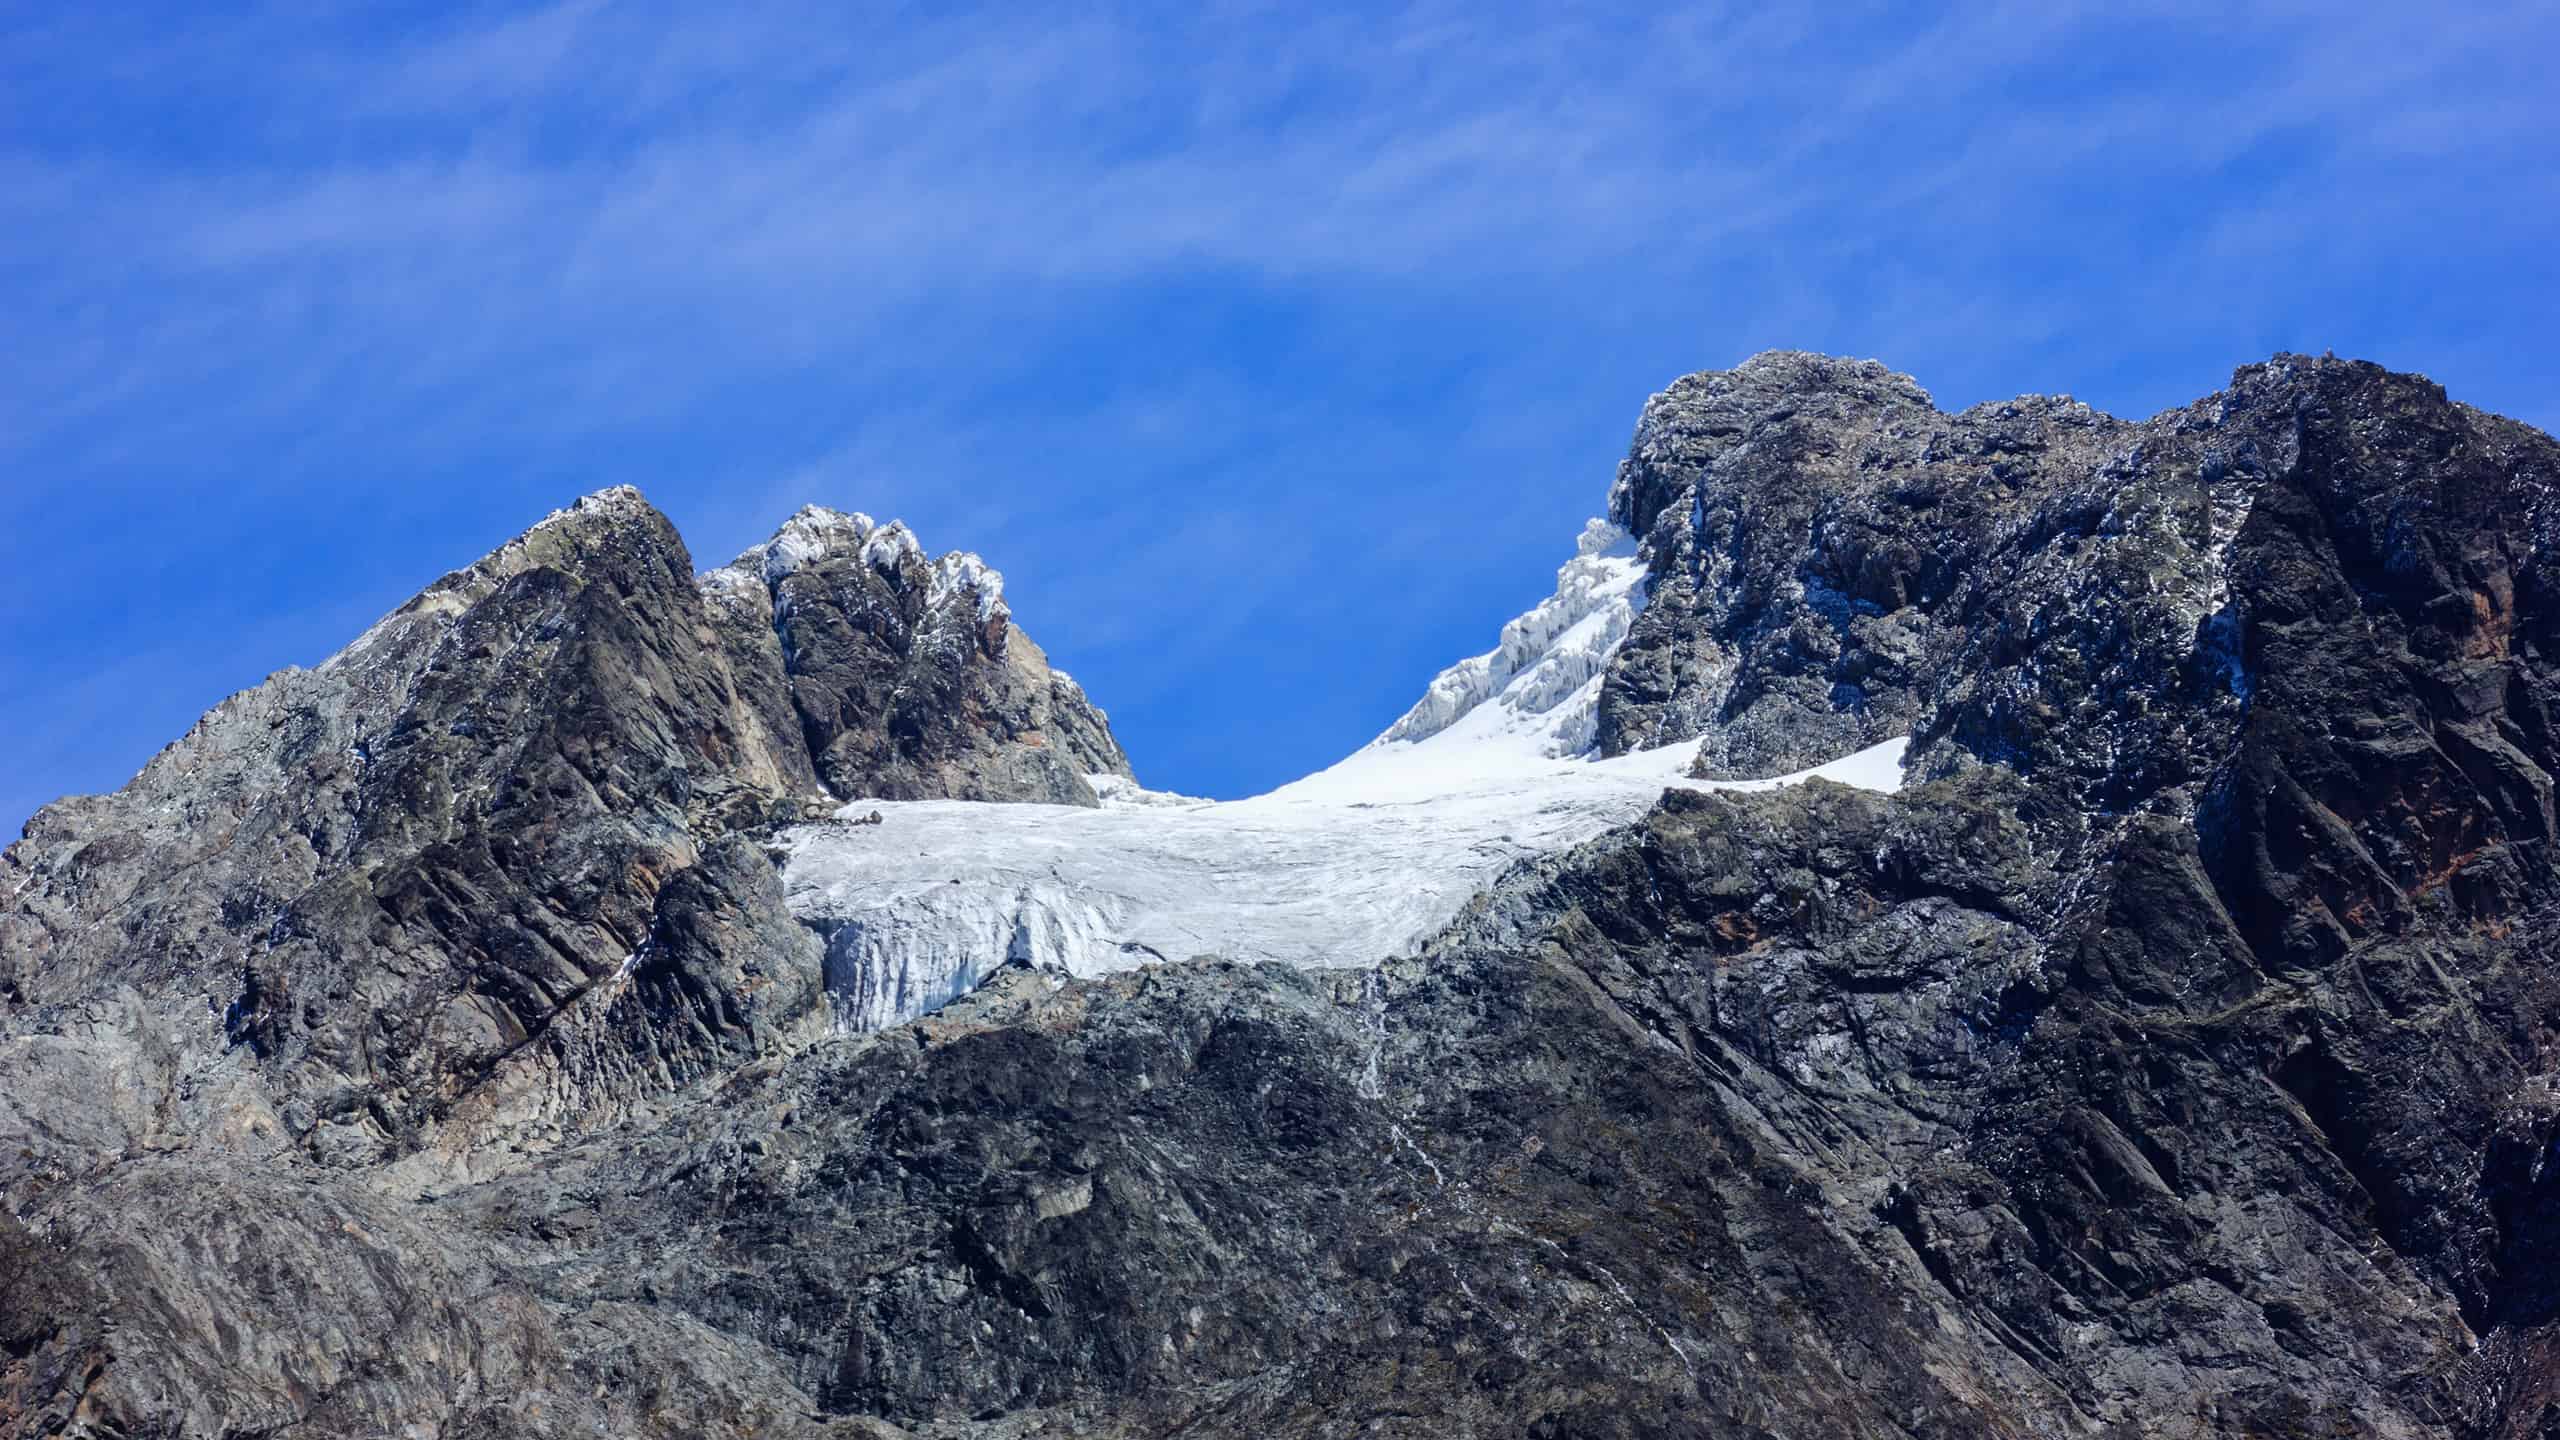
(907, 676)
(2175, 1059)
(394, 877)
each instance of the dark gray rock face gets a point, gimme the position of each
(906, 675)
(2274, 671)
(410, 882)
(422, 1044)
(1817, 529)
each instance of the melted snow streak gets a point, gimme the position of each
(1347, 867)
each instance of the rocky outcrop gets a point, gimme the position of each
(2174, 1057)
(2273, 671)
(907, 676)
(1814, 529)
(409, 887)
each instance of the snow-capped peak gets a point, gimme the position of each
(1539, 688)
(962, 572)
(812, 531)
(890, 546)
(887, 548)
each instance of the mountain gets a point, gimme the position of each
(2014, 922)
(1368, 858)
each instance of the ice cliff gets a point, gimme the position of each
(1347, 867)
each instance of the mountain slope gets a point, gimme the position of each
(919, 903)
(400, 891)
(2171, 1055)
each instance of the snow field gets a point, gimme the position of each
(1347, 867)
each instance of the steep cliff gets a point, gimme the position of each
(443, 878)
(429, 1043)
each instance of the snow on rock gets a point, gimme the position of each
(963, 573)
(814, 531)
(1542, 680)
(890, 546)
(1347, 867)
(817, 530)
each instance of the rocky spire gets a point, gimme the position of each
(412, 872)
(424, 1042)
(906, 676)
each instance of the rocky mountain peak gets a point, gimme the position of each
(2138, 1019)
(462, 833)
(1698, 416)
(905, 675)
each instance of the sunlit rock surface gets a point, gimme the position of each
(452, 1040)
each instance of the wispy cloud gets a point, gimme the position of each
(1153, 282)
(769, 190)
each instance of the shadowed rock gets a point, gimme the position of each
(423, 1041)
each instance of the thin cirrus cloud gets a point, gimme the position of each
(559, 166)
(1206, 325)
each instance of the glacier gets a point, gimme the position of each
(1541, 683)
(1347, 867)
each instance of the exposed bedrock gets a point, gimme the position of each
(406, 886)
(426, 1044)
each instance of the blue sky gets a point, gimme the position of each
(1274, 354)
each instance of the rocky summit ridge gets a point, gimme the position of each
(442, 1042)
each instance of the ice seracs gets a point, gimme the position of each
(1542, 682)
(1347, 867)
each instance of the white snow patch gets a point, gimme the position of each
(729, 581)
(1119, 792)
(1541, 680)
(811, 532)
(891, 545)
(962, 573)
(1347, 867)
(885, 548)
